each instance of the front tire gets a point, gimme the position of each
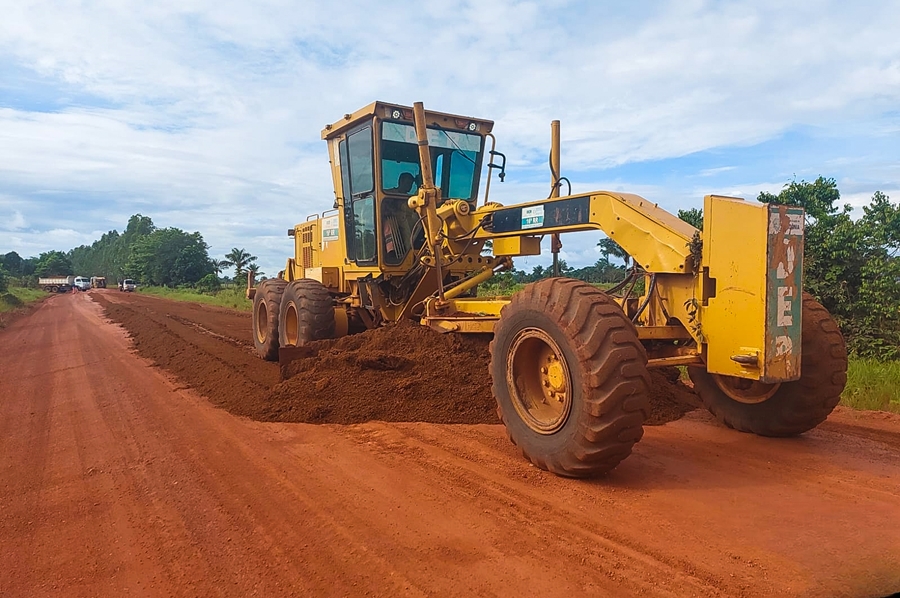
(793, 407)
(266, 307)
(307, 313)
(570, 377)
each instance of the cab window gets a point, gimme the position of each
(358, 181)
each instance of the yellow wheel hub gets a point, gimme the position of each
(262, 321)
(291, 325)
(539, 381)
(745, 391)
(556, 375)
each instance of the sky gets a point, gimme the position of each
(206, 115)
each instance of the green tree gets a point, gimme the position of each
(241, 260)
(608, 247)
(693, 216)
(537, 273)
(54, 263)
(169, 256)
(218, 265)
(13, 263)
(850, 265)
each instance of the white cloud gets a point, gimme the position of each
(15, 221)
(206, 115)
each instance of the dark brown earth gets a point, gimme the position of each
(116, 480)
(407, 372)
(400, 373)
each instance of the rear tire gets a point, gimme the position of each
(794, 407)
(570, 377)
(307, 313)
(266, 307)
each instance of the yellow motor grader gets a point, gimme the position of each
(569, 361)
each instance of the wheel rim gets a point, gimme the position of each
(291, 325)
(262, 321)
(745, 391)
(539, 381)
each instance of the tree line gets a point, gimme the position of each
(150, 255)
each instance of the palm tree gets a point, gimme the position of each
(610, 248)
(219, 265)
(241, 260)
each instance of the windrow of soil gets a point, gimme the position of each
(398, 373)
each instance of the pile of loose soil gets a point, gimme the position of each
(403, 373)
(407, 372)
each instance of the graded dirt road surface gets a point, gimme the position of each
(116, 480)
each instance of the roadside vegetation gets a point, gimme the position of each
(16, 297)
(873, 384)
(231, 298)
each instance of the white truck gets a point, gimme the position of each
(82, 283)
(56, 284)
(127, 285)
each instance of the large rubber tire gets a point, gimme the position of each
(266, 308)
(606, 386)
(795, 407)
(307, 313)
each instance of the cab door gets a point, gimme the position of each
(358, 181)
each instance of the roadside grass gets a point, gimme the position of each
(19, 297)
(232, 298)
(873, 385)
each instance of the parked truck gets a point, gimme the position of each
(56, 284)
(98, 282)
(82, 283)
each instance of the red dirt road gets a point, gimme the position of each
(116, 480)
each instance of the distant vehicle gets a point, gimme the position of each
(56, 284)
(127, 285)
(98, 282)
(82, 283)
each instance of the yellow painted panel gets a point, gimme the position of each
(517, 246)
(734, 249)
(332, 244)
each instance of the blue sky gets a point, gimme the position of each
(206, 115)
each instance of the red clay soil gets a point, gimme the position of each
(399, 373)
(117, 481)
(407, 372)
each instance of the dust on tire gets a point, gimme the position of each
(798, 406)
(609, 378)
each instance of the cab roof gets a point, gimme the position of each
(398, 112)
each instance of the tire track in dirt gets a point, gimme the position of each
(144, 489)
(530, 495)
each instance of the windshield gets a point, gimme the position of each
(128, 281)
(454, 156)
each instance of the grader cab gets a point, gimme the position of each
(569, 361)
